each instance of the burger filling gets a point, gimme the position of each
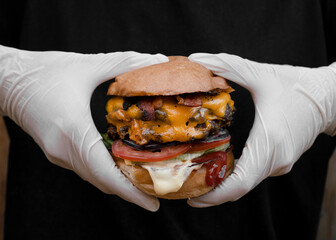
(171, 136)
(180, 118)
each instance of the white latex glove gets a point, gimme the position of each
(48, 95)
(292, 106)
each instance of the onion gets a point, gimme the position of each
(223, 133)
(156, 146)
(152, 146)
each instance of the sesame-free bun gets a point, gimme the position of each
(194, 186)
(177, 76)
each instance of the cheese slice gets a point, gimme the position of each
(169, 176)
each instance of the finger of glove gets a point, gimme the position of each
(102, 172)
(241, 71)
(250, 170)
(108, 66)
(232, 188)
(77, 145)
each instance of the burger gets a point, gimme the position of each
(167, 128)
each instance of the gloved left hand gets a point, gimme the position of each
(48, 95)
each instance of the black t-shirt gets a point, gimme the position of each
(45, 201)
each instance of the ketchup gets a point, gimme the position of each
(215, 164)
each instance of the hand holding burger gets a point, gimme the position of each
(293, 105)
(48, 95)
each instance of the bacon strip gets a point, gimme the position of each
(147, 107)
(190, 100)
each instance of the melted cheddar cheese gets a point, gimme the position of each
(173, 122)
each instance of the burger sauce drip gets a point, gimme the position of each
(215, 164)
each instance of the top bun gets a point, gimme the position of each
(177, 76)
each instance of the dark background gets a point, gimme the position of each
(45, 201)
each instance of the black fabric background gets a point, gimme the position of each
(47, 202)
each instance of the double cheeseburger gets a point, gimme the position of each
(167, 124)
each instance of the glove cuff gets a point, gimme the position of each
(6, 54)
(331, 81)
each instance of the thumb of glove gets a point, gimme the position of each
(108, 66)
(231, 67)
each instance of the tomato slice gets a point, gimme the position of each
(202, 146)
(121, 150)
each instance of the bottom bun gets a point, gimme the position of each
(194, 186)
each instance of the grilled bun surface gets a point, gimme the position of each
(177, 76)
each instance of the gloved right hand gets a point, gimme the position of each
(48, 95)
(293, 105)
